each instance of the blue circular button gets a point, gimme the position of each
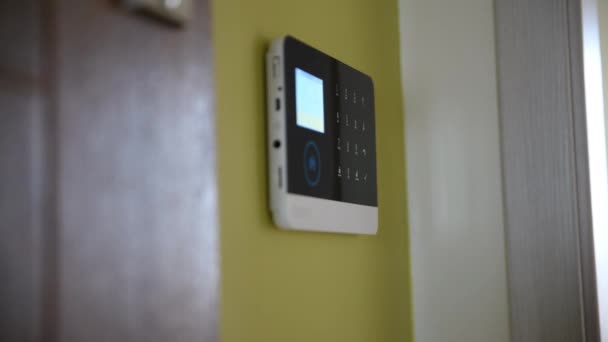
(312, 164)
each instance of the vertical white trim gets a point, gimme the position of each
(596, 144)
(459, 284)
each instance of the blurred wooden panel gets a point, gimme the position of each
(138, 239)
(108, 206)
(20, 176)
(20, 37)
(20, 252)
(546, 190)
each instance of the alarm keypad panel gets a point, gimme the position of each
(321, 141)
(330, 118)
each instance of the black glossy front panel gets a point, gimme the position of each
(339, 164)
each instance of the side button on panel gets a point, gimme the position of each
(276, 60)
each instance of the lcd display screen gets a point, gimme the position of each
(309, 101)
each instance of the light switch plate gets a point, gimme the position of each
(176, 11)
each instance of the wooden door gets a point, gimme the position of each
(547, 199)
(108, 209)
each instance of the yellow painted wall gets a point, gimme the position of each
(280, 286)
